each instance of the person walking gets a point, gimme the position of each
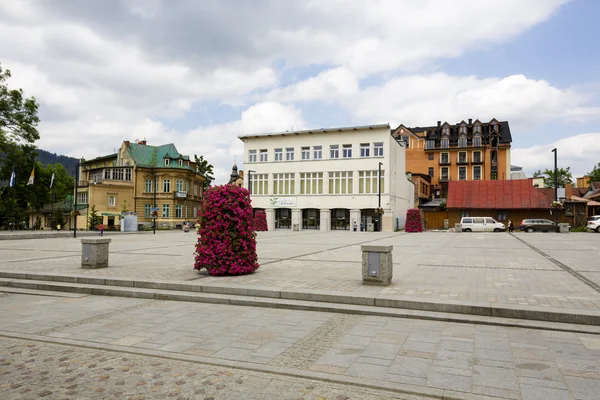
(511, 226)
(58, 227)
(101, 228)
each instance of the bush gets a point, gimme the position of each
(226, 242)
(413, 221)
(260, 221)
(580, 229)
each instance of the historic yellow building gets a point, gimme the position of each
(471, 150)
(140, 178)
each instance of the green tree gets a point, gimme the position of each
(594, 174)
(564, 176)
(205, 169)
(94, 219)
(18, 115)
(16, 201)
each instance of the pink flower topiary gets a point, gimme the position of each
(260, 221)
(227, 241)
(413, 221)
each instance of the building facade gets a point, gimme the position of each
(468, 150)
(140, 178)
(329, 179)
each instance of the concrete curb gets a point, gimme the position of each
(304, 374)
(483, 309)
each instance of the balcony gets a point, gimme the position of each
(462, 160)
(444, 178)
(445, 161)
(477, 160)
(83, 183)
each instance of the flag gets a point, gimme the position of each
(12, 178)
(52, 180)
(30, 181)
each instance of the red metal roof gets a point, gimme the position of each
(501, 195)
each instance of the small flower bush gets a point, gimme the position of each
(413, 221)
(260, 221)
(226, 239)
(556, 205)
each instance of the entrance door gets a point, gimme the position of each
(283, 218)
(340, 219)
(368, 216)
(311, 219)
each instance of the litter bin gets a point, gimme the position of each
(295, 227)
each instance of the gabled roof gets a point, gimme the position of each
(144, 155)
(499, 195)
(435, 132)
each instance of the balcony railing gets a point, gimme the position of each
(83, 183)
(445, 161)
(444, 178)
(477, 160)
(462, 160)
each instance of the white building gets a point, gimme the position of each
(327, 179)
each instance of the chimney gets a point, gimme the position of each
(439, 123)
(470, 121)
(568, 191)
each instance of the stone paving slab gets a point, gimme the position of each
(467, 360)
(494, 268)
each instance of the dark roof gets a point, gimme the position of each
(435, 132)
(424, 176)
(500, 195)
(434, 203)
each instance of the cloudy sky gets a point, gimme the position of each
(200, 73)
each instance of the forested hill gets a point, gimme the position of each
(46, 157)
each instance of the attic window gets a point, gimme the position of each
(462, 129)
(181, 163)
(446, 131)
(167, 161)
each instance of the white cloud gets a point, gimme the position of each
(580, 152)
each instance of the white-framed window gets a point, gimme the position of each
(477, 140)
(259, 183)
(167, 161)
(278, 154)
(462, 141)
(311, 183)
(431, 171)
(477, 172)
(444, 174)
(334, 151)
(476, 156)
(147, 210)
(446, 131)
(148, 186)
(430, 144)
(166, 209)
(340, 182)
(445, 143)
(317, 152)
(368, 181)
(179, 211)
(251, 155)
(378, 149)
(264, 155)
(82, 198)
(166, 185)
(181, 163)
(179, 185)
(289, 153)
(195, 190)
(284, 183)
(365, 149)
(462, 173)
(112, 201)
(306, 153)
(462, 129)
(444, 158)
(347, 151)
(117, 174)
(462, 157)
(477, 129)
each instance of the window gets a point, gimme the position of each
(112, 201)
(179, 211)
(406, 140)
(179, 185)
(167, 161)
(431, 169)
(117, 174)
(340, 182)
(462, 129)
(462, 173)
(259, 183)
(502, 216)
(378, 149)
(306, 153)
(365, 149)
(278, 154)
(181, 163)
(334, 151)
(477, 140)
(462, 157)
(311, 183)
(128, 174)
(284, 183)
(444, 175)
(195, 190)
(82, 198)
(148, 187)
(446, 131)
(462, 141)
(430, 144)
(430, 156)
(477, 129)
(444, 158)
(445, 143)
(368, 181)
(251, 155)
(466, 214)
(347, 151)
(263, 155)
(476, 156)
(147, 210)
(166, 208)
(477, 173)
(166, 185)
(317, 152)
(289, 153)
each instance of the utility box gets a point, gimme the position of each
(458, 227)
(563, 228)
(377, 266)
(295, 228)
(370, 227)
(94, 252)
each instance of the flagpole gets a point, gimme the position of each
(52, 200)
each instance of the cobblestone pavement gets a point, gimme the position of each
(511, 363)
(34, 370)
(496, 268)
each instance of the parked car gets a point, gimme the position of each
(594, 223)
(481, 224)
(538, 225)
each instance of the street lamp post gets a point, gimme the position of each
(77, 166)
(379, 196)
(154, 208)
(250, 171)
(555, 185)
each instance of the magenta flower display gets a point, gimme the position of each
(413, 221)
(260, 221)
(226, 238)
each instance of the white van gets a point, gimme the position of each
(481, 224)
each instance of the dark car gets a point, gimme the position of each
(537, 225)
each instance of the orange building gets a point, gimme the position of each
(464, 151)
